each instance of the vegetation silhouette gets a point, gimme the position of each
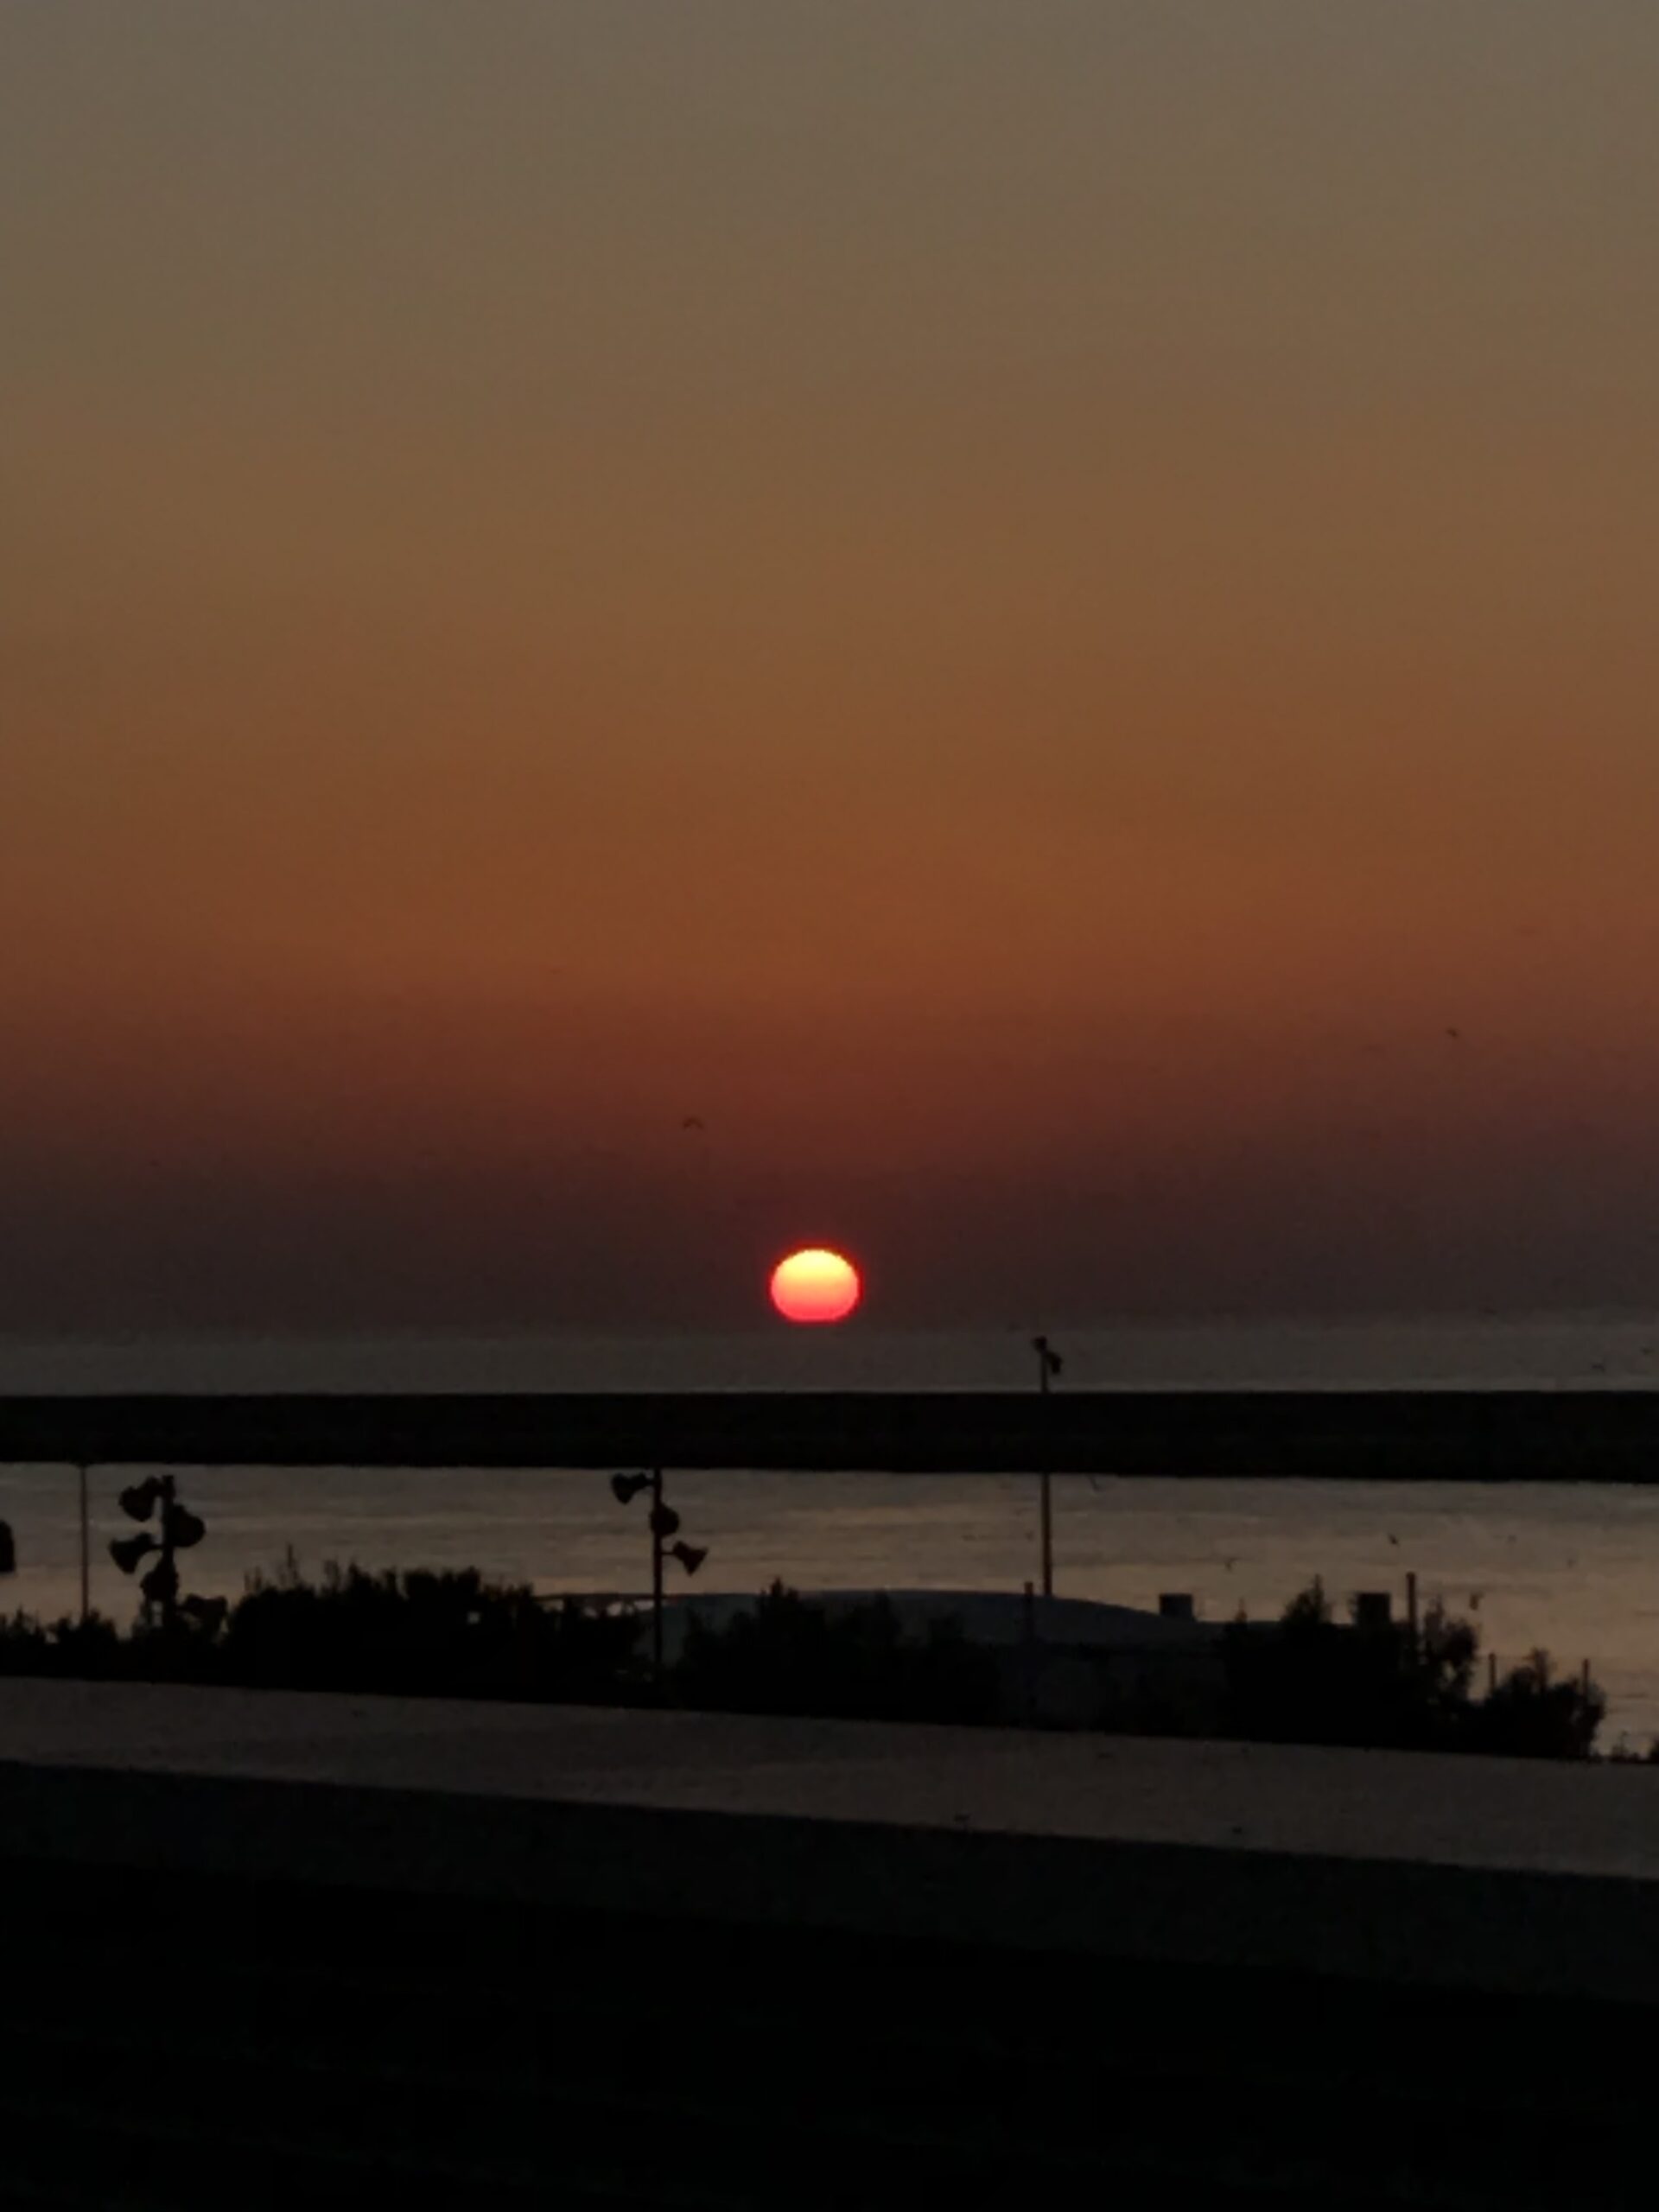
(1531, 1715)
(90, 1650)
(414, 1635)
(1306, 1679)
(421, 1634)
(788, 1655)
(1388, 1686)
(1314, 1681)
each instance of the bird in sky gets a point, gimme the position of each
(694, 1122)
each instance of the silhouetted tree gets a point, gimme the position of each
(1531, 1715)
(1307, 1679)
(1304, 1679)
(90, 1650)
(422, 1635)
(788, 1655)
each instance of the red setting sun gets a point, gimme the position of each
(815, 1286)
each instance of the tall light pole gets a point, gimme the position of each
(665, 1523)
(180, 1531)
(86, 1551)
(1049, 1366)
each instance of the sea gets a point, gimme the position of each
(1571, 1569)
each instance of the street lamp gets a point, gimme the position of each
(1049, 1366)
(181, 1531)
(664, 1524)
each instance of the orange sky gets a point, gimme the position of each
(1017, 607)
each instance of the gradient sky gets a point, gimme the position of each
(1019, 606)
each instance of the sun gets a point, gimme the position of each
(815, 1285)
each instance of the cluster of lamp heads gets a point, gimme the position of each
(664, 1521)
(178, 1529)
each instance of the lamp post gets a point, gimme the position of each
(179, 1530)
(665, 1523)
(1049, 1366)
(86, 1550)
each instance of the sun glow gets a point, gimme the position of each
(815, 1285)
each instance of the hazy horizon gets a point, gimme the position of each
(1581, 1351)
(1039, 616)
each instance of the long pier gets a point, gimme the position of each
(1509, 1435)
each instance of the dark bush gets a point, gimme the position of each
(1529, 1715)
(419, 1635)
(90, 1650)
(1306, 1679)
(790, 1656)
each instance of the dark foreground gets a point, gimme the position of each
(190, 2044)
(262, 1944)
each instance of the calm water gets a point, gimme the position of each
(1574, 1569)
